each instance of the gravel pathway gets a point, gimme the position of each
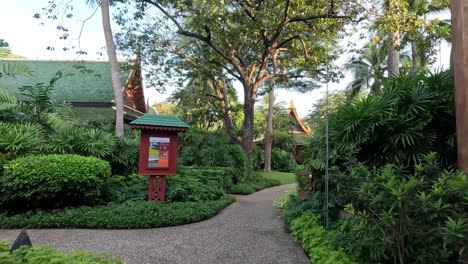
(248, 231)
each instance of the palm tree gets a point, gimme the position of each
(115, 71)
(12, 69)
(368, 69)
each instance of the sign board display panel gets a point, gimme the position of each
(158, 156)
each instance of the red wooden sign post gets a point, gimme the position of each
(158, 150)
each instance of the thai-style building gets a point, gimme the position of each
(87, 86)
(299, 131)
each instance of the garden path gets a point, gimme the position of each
(247, 231)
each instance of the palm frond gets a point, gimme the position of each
(7, 101)
(13, 69)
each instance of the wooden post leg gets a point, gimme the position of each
(156, 188)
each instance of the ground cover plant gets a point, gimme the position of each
(46, 254)
(127, 215)
(318, 242)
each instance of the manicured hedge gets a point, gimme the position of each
(46, 254)
(129, 215)
(52, 181)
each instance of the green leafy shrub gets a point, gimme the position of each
(302, 177)
(257, 158)
(293, 207)
(211, 149)
(20, 139)
(186, 188)
(120, 152)
(120, 189)
(128, 215)
(221, 176)
(412, 116)
(318, 242)
(46, 254)
(283, 140)
(282, 160)
(419, 217)
(53, 180)
(190, 184)
(254, 184)
(124, 155)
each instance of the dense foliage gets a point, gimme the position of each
(391, 157)
(128, 215)
(413, 115)
(419, 217)
(211, 149)
(282, 160)
(318, 242)
(191, 184)
(46, 254)
(51, 181)
(253, 184)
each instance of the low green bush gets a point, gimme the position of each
(302, 177)
(46, 254)
(256, 183)
(257, 158)
(120, 152)
(221, 176)
(189, 185)
(293, 207)
(419, 217)
(52, 181)
(187, 188)
(317, 242)
(282, 160)
(19, 139)
(211, 149)
(128, 215)
(120, 189)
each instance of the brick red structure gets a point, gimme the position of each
(158, 150)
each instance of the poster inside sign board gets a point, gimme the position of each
(158, 152)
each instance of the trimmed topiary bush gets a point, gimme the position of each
(52, 181)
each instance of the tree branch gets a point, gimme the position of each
(286, 41)
(214, 96)
(284, 21)
(313, 17)
(207, 39)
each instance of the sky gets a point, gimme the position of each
(27, 37)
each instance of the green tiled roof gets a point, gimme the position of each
(159, 120)
(74, 86)
(302, 139)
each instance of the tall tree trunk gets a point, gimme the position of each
(393, 54)
(247, 126)
(269, 129)
(225, 109)
(115, 70)
(414, 56)
(460, 64)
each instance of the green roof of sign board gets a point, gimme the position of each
(81, 81)
(159, 120)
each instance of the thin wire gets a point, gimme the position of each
(326, 121)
